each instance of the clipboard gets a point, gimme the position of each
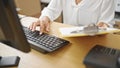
(79, 31)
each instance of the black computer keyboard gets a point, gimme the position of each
(44, 43)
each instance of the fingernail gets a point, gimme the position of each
(40, 33)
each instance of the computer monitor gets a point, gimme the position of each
(11, 32)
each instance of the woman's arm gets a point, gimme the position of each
(53, 10)
(107, 13)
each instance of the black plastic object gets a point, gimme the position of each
(9, 61)
(102, 57)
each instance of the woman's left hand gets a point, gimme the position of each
(102, 25)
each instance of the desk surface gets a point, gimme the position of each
(70, 56)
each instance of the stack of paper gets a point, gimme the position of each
(78, 31)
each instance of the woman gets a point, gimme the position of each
(78, 13)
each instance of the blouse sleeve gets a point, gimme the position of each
(107, 12)
(53, 10)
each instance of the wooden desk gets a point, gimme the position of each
(70, 56)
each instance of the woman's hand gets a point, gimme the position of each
(44, 24)
(102, 25)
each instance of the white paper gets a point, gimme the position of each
(67, 31)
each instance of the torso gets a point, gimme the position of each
(75, 12)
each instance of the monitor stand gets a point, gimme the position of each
(9, 61)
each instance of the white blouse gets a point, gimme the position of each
(84, 13)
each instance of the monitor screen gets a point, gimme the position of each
(11, 32)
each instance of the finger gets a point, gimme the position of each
(34, 26)
(47, 26)
(31, 26)
(42, 26)
(34, 23)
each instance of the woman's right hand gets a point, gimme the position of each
(44, 24)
